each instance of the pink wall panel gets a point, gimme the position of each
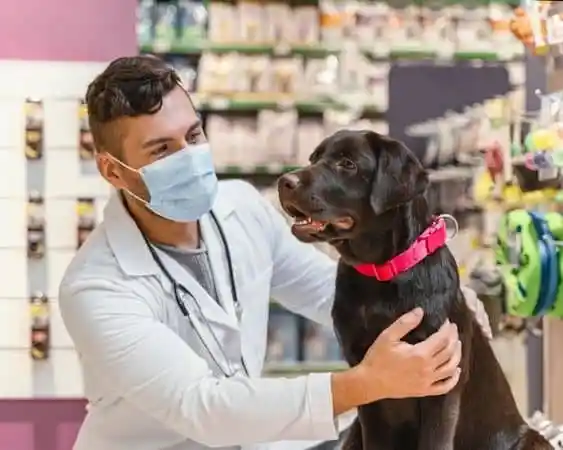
(66, 435)
(16, 436)
(40, 424)
(63, 30)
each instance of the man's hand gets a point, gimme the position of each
(392, 368)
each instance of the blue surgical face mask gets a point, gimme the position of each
(182, 186)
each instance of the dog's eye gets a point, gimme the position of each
(346, 163)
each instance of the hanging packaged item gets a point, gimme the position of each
(86, 211)
(529, 258)
(40, 326)
(34, 119)
(505, 43)
(538, 25)
(35, 226)
(86, 148)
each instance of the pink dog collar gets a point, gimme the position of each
(434, 237)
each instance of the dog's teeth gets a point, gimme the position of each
(306, 221)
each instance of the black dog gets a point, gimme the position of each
(364, 194)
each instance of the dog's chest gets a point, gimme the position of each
(359, 320)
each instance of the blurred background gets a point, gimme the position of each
(270, 79)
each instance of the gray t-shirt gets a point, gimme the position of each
(195, 261)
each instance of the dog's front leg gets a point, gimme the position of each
(438, 421)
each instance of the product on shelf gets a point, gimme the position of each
(320, 344)
(283, 337)
(35, 226)
(34, 129)
(85, 141)
(40, 326)
(86, 210)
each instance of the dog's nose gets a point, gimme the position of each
(289, 181)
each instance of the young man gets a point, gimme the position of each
(167, 302)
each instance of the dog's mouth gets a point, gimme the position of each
(308, 227)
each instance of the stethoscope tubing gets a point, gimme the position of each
(179, 288)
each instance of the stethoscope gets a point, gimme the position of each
(180, 290)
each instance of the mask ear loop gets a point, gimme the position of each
(452, 220)
(132, 194)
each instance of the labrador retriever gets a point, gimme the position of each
(364, 194)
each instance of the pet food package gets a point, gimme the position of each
(165, 30)
(256, 74)
(305, 22)
(251, 23)
(192, 20)
(320, 77)
(371, 28)
(280, 19)
(283, 336)
(320, 344)
(218, 73)
(437, 31)
(145, 30)
(223, 22)
(277, 136)
(473, 32)
(405, 29)
(310, 133)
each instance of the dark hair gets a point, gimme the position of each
(128, 87)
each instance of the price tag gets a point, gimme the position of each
(549, 173)
(161, 46)
(282, 50)
(218, 103)
(286, 103)
(445, 52)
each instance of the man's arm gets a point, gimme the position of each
(147, 364)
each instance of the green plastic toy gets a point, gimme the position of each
(530, 262)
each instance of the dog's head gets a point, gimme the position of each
(353, 179)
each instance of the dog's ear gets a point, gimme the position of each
(399, 175)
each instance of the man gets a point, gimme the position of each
(167, 301)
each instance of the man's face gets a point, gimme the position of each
(146, 139)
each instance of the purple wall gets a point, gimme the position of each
(40, 424)
(63, 30)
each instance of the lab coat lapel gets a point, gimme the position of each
(218, 260)
(202, 304)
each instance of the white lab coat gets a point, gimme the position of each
(149, 382)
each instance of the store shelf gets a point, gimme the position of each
(255, 102)
(311, 51)
(292, 368)
(265, 175)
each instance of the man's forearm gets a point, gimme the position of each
(348, 390)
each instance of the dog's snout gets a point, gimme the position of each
(289, 181)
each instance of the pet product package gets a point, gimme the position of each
(283, 336)
(277, 153)
(251, 17)
(320, 344)
(223, 23)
